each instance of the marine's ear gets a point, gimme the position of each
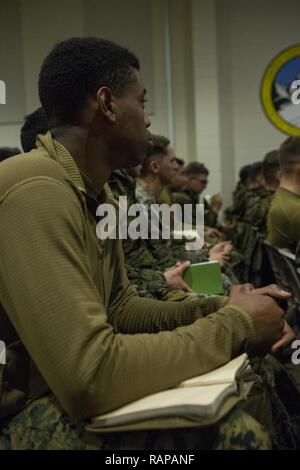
(106, 104)
(154, 166)
(279, 175)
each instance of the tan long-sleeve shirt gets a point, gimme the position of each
(284, 219)
(94, 341)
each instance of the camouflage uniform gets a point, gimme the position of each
(152, 284)
(44, 425)
(171, 251)
(262, 421)
(143, 269)
(146, 260)
(237, 209)
(231, 271)
(185, 196)
(168, 252)
(137, 253)
(235, 213)
(249, 199)
(159, 254)
(257, 209)
(166, 197)
(176, 247)
(252, 234)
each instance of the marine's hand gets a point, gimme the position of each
(174, 276)
(220, 252)
(216, 203)
(274, 291)
(287, 337)
(267, 316)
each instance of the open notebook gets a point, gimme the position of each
(198, 397)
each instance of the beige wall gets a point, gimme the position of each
(206, 97)
(202, 59)
(250, 34)
(183, 97)
(168, 23)
(42, 24)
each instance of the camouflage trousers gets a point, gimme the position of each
(44, 425)
(268, 418)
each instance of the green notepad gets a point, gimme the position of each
(205, 278)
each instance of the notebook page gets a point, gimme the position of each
(202, 401)
(224, 374)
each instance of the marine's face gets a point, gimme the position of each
(168, 166)
(197, 183)
(132, 123)
(180, 179)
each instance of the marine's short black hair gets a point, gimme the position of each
(158, 148)
(180, 162)
(271, 166)
(255, 171)
(196, 168)
(289, 154)
(34, 124)
(244, 174)
(7, 152)
(159, 145)
(75, 69)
